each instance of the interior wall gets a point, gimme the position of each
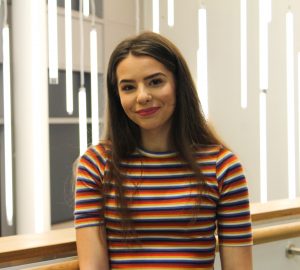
(238, 127)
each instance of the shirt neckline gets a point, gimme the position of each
(151, 154)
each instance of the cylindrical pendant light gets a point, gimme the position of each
(69, 57)
(8, 162)
(52, 42)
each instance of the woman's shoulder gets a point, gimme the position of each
(214, 151)
(102, 149)
(209, 148)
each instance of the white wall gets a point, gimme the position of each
(120, 22)
(240, 127)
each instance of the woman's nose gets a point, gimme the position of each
(143, 95)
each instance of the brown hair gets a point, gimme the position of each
(189, 127)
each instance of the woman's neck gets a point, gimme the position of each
(156, 142)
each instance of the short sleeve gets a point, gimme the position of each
(89, 202)
(233, 213)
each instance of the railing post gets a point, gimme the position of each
(291, 251)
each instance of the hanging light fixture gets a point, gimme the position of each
(82, 90)
(155, 16)
(86, 8)
(243, 42)
(137, 16)
(264, 20)
(82, 120)
(94, 79)
(171, 13)
(290, 104)
(202, 61)
(7, 122)
(52, 42)
(69, 60)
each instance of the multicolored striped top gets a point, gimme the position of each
(170, 232)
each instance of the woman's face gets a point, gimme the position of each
(147, 92)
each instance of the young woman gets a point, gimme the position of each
(155, 192)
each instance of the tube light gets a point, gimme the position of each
(94, 86)
(202, 61)
(82, 120)
(171, 13)
(69, 61)
(243, 31)
(81, 45)
(86, 8)
(7, 128)
(137, 16)
(263, 146)
(290, 104)
(298, 57)
(52, 42)
(155, 15)
(264, 19)
(268, 8)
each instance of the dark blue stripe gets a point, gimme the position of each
(232, 237)
(94, 176)
(246, 225)
(83, 202)
(174, 261)
(157, 251)
(238, 203)
(161, 208)
(233, 192)
(231, 215)
(178, 221)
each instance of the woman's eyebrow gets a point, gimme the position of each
(145, 79)
(154, 75)
(126, 81)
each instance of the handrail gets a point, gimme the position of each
(23, 249)
(275, 209)
(274, 233)
(67, 265)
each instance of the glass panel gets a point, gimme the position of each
(64, 149)
(1, 93)
(64, 143)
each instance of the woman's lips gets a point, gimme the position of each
(148, 111)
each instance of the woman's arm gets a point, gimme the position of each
(92, 248)
(236, 258)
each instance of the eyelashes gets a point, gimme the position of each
(156, 82)
(127, 87)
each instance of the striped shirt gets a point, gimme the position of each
(169, 231)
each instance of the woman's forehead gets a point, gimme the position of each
(139, 66)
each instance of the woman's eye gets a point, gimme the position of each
(156, 82)
(127, 87)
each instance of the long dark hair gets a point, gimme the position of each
(189, 126)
